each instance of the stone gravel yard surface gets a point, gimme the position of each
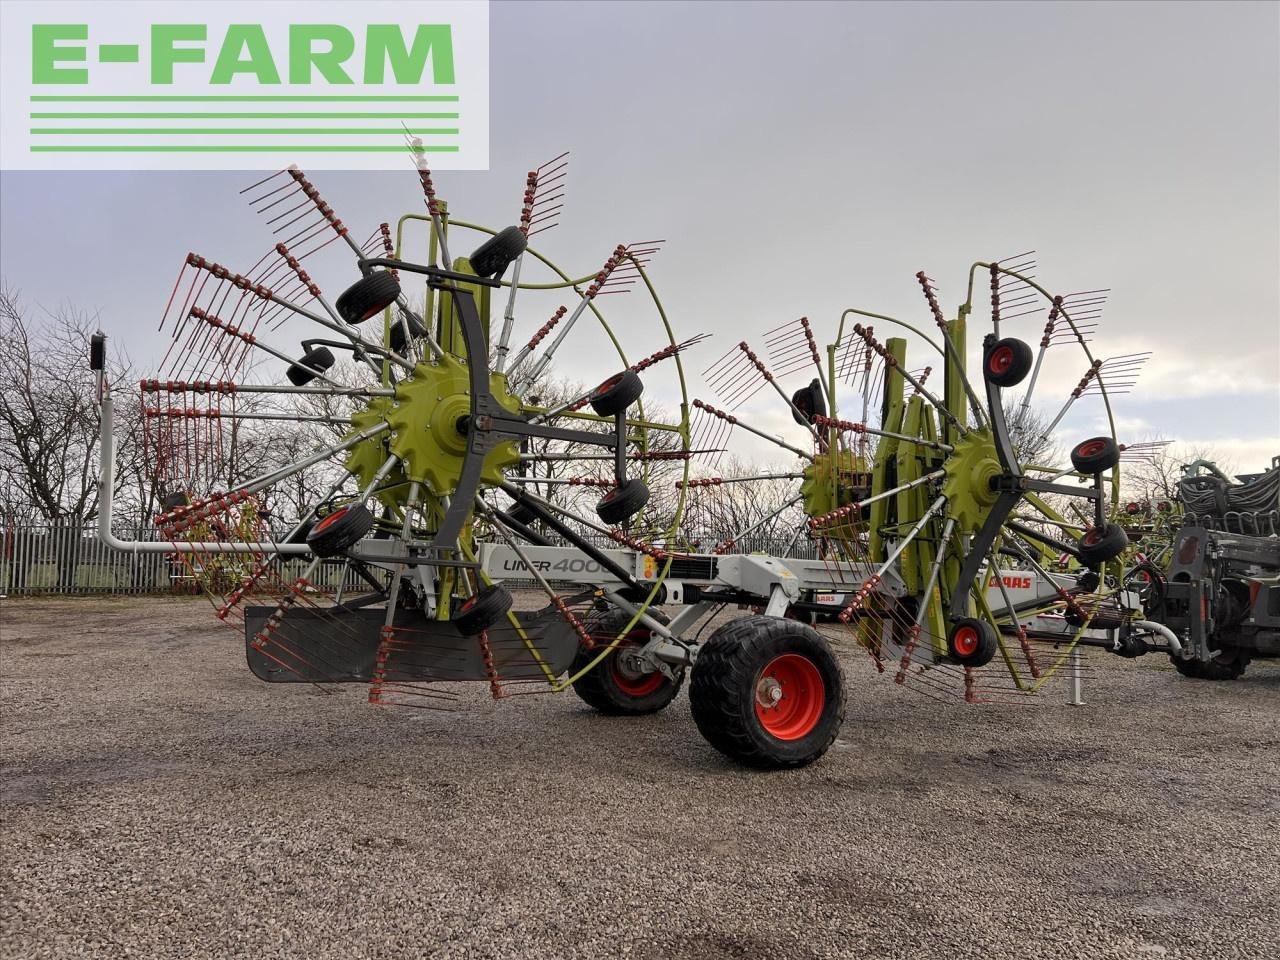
(158, 801)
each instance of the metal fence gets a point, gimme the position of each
(68, 558)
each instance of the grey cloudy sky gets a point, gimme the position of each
(803, 158)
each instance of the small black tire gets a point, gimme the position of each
(523, 514)
(1008, 362)
(340, 530)
(318, 360)
(368, 297)
(396, 339)
(610, 687)
(1230, 666)
(172, 501)
(783, 660)
(616, 394)
(482, 610)
(1098, 546)
(808, 403)
(971, 642)
(1095, 455)
(622, 503)
(493, 256)
(300, 535)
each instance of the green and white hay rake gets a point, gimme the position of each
(928, 537)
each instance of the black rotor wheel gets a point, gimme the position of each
(313, 363)
(482, 610)
(493, 256)
(340, 530)
(368, 297)
(1008, 362)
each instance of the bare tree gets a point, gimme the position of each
(1153, 476)
(49, 421)
(764, 507)
(48, 411)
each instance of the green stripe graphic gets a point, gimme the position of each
(239, 99)
(238, 148)
(243, 116)
(264, 131)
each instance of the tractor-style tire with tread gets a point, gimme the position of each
(606, 687)
(723, 691)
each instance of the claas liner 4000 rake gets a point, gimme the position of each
(438, 472)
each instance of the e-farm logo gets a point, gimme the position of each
(154, 84)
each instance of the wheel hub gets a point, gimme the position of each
(790, 697)
(631, 666)
(768, 692)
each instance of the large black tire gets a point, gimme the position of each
(809, 402)
(340, 530)
(1227, 666)
(972, 643)
(493, 256)
(1095, 455)
(368, 297)
(616, 394)
(624, 502)
(1008, 362)
(482, 610)
(1102, 544)
(611, 687)
(782, 660)
(319, 360)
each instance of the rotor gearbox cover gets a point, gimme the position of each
(429, 430)
(367, 456)
(969, 470)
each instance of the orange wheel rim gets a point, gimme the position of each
(1091, 447)
(965, 641)
(638, 686)
(330, 519)
(1001, 359)
(790, 697)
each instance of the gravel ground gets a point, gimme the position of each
(158, 801)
